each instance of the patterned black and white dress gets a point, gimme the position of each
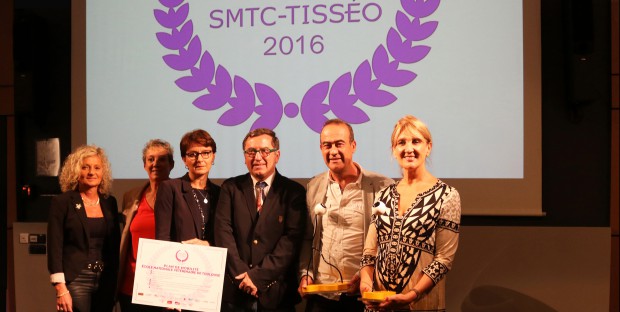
(423, 240)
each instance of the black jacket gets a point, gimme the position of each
(68, 243)
(266, 246)
(177, 217)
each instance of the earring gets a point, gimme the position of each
(213, 163)
(186, 167)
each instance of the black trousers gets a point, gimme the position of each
(231, 307)
(346, 303)
(127, 306)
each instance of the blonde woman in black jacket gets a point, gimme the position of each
(83, 234)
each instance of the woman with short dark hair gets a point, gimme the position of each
(185, 207)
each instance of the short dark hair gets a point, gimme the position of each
(262, 131)
(338, 121)
(198, 136)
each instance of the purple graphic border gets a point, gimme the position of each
(216, 84)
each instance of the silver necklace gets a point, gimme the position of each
(90, 203)
(205, 200)
(202, 215)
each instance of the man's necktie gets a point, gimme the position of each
(260, 195)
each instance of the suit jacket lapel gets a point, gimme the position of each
(188, 195)
(80, 210)
(247, 188)
(269, 210)
(368, 189)
(107, 215)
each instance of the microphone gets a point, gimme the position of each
(379, 208)
(320, 210)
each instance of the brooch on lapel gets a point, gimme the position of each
(78, 206)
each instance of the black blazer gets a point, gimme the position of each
(68, 243)
(177, 217)
(265, 246)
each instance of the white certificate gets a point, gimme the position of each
(181, 276)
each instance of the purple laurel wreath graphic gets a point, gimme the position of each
(320, 98)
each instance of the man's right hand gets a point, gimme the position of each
(305, 281)
(246, 285)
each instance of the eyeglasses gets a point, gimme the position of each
(194, 155)
(251, 152)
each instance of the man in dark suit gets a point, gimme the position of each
(261, 219)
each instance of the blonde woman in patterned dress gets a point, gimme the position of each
(412, 240)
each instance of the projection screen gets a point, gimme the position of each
(469, 69)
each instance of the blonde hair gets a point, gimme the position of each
(70, 172)
(409, 122)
